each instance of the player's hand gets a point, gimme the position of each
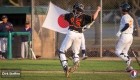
(118, 34)
(98, 8)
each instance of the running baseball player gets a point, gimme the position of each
(125, 33)
(5, 26)
(77, 19)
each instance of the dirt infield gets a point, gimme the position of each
(107, 58)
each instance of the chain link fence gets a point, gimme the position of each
(111, 16)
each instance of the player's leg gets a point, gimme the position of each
(26, 49)
(4, 47)
(120, 48)
(125, 51)
(67, 42)
(83, 48)
(76, 48)
(22, 50)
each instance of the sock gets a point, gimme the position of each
(76, 57)
(63, 60)
(83, 52)
(124, 57)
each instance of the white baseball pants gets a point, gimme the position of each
(72, 39)
(24, 49)
(123, 46)
(3, 44)
(83, 42)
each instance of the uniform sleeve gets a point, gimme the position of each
(66, 17)
(87, 19)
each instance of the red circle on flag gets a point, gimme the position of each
(62, 22)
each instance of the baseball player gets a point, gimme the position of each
(77, 19)
(5, 26)
(125, 33)
(83, 46)
(24, 39)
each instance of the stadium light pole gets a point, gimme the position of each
(101, 29)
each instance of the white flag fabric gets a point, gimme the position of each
(54, 19)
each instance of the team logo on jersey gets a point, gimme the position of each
(133, 73)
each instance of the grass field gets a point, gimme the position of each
(52, 70)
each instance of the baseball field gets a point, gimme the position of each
(51, 70)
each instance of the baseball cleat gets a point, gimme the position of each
(128, 69)
(67, 71)
(129, 63)
(75, 66)
(85, 57)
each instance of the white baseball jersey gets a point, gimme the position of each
(126, 38)
(127, 19)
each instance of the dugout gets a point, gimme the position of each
(42, 38)
(17, 16)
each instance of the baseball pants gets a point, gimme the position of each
(83, 42)
(123, 46)
(24, 49)
(72, 39)
(3, 45)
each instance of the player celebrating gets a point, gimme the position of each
(125, 33)
(73, 38)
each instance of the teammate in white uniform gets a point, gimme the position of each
(73, 38)
(83, 46)
(126, 38)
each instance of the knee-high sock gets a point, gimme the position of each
(83, 53)
(123, 56)
(63, 59)
(76, 57)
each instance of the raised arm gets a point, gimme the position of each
(96, 13)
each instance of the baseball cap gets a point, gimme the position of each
(27, 22)
(4, 16)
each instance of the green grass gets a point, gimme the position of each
(74, 76)
(94, 67)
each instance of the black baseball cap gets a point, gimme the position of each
(4, 16)
(27, 22)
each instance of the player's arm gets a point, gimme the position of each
(125, 27)
(96, 13)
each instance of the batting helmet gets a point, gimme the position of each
(79, 7)
(125, 7)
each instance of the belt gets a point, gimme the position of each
(74, 31)
(126, 33)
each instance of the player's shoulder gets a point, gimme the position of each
(127, 16)
(10, 23)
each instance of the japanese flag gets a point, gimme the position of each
(54, 19)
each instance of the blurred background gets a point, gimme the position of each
(100, 38)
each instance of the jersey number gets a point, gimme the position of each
(77, 22)
(130, 23)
